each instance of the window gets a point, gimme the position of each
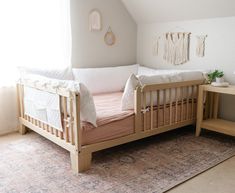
(33, 33)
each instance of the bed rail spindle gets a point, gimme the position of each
(137, 108)
(151, 110)
(145, 113)
(195, 108)
(56, 133)
(193, 96)
(158, 108)
(72, 119)
(64, 105)
(47, 128)
(176, 105)
(182, 104)
(164, 107)
(51, 130)
(187, 105)
(44, 126)
(170, 98)
(61, 135)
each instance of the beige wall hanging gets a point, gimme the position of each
(109, 37)
(176, 48)
(200, 49)
(95, 20)
(156, 46)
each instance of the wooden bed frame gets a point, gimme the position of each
(70, 138)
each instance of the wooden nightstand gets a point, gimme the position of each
(207, 118)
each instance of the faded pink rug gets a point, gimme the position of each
(152, 165)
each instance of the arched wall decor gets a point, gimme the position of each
(95, 20)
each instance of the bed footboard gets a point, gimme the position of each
(70, 137)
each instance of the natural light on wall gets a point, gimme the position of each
(34, 33)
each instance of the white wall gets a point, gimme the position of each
(146, 11)
(89, 49)
(219, 53)
(8, 113)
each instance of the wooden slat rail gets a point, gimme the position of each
(67, 99)
(158, 101)
(155, 87)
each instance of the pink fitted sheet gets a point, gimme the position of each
(114, 123)
(111, 120)
(108, 109)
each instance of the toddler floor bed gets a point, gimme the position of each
(115, 127)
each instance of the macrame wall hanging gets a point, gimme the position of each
(176, 47)
(200, 49)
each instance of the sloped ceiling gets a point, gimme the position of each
(148, 11)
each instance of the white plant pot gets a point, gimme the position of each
(219, 80)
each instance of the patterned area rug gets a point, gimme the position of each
(156, 164)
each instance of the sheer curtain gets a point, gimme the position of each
(33, 33)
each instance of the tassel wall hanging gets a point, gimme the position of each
(176, 50)
(156, 47)
(200, 49)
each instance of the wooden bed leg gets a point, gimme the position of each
(80, 162)
(199, 111)
(22, 129)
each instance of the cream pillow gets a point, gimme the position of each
(192, 75)
(128, 95)
(62, 74)
(142, 70)
(103, 80)
(154, 79)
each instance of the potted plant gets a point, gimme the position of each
(216, 76)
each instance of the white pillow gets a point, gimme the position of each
(62, 74)
(133, 82)
(87, 105)
(102, 80)
(128, 95)
(142, 70)
(192, 75)
(155, 79)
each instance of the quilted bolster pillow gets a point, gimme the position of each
(104, 80)
(87, 105)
